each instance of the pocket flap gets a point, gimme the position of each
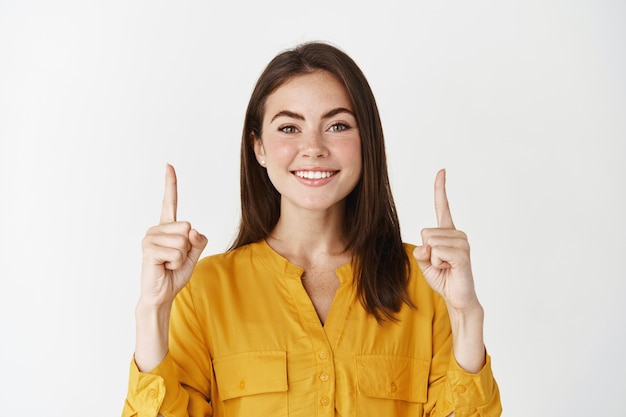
(251, 373)
(392, 377)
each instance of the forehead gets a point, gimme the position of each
(319, 89)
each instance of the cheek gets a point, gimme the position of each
(351, 154)
(280, 153)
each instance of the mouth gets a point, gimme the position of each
(314, 175)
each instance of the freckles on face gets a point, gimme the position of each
(310, 139)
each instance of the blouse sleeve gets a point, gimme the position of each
(180, 385)
(452, 389)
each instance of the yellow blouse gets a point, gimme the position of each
(245, 340)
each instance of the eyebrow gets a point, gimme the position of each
(298, 116)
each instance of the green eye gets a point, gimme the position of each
(339, 127)
(288, 129)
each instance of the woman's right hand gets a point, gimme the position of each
(170, 251)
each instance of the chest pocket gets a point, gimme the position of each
(252, 383)
(381, 378)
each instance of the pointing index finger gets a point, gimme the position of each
(170, 198)
(442, 209)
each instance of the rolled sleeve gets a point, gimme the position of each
(474, 394)
(154, 392)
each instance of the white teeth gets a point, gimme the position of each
(314, 175)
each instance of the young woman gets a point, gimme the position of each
(318, 308)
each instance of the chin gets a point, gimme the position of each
(323, 205)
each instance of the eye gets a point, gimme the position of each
(339, 127)
(288, 129)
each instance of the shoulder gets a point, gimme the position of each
(219, 274)
(224, 263)
(419, 289)
(409, 248)
(225, 257)
(415, 269)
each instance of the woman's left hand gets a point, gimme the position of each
(444, 256)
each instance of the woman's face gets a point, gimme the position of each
(310, 143)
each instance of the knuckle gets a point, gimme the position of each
(177, 259)
(185, 226)
(146, 242)
(148, 252)
(153, 230)
(180, 242)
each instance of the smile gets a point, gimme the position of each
(314, 175)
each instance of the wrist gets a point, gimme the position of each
(147, 306)
(467, 337)
(473, 312)
(152, 328)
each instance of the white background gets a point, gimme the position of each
(524, 103)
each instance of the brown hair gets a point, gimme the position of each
(380, 262)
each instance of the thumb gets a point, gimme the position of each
(422, 256)
(198, 243)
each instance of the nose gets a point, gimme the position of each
(313, 145)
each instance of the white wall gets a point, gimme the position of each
(522, 101)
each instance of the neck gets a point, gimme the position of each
(306, 235)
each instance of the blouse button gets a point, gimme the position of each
(325, 401)
(394, 387)
(242, 384)
(323, 355)
(153, 393)
(324, 377)
(460, 389)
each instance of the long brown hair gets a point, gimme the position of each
(380, 262)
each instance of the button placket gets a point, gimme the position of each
(325, 380)
(323, 355)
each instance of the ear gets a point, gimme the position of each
(259, 150)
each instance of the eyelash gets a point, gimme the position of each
(340, 127)
(337, 127)
(288, 129)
